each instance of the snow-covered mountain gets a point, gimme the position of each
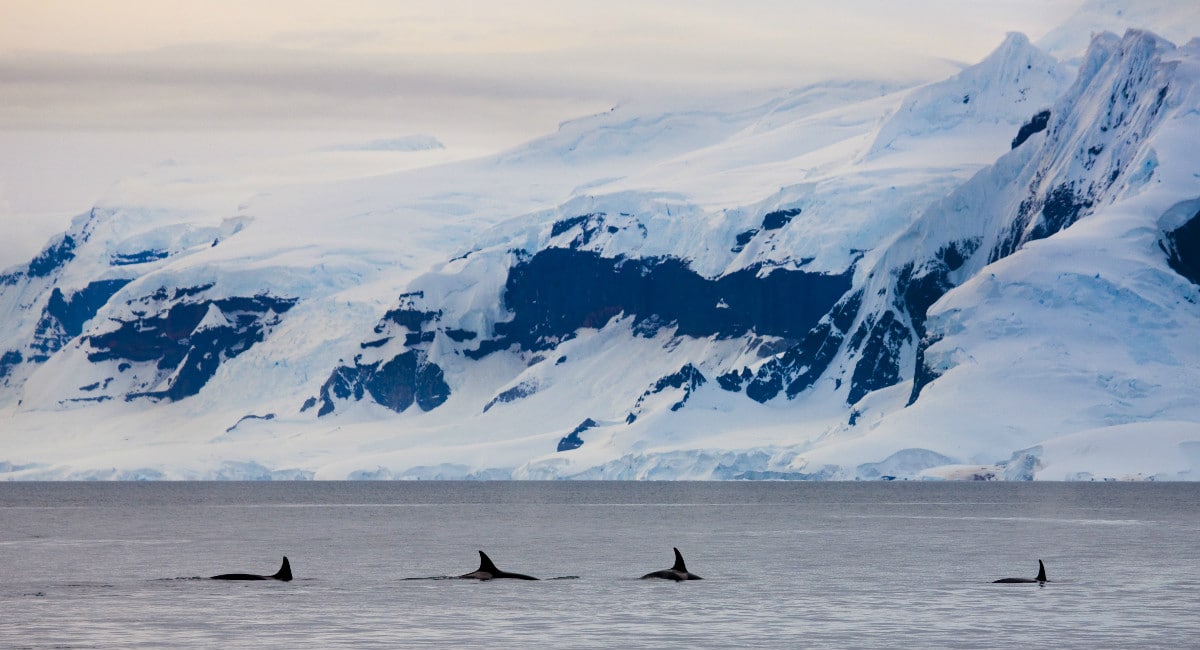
(995, 275)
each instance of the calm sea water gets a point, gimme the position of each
(96, 565)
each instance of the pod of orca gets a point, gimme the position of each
(488, 571)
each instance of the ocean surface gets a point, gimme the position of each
(785, 565)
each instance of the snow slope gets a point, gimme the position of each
(994, 275)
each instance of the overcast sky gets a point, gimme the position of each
(93, 91)
(518, 66)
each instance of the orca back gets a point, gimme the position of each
(284, 574)
(487, 571)
(666, 574)
(486, 565)
(238, 576)
(678, 571)
(679, 565)
(285, 571)
(1041, 577)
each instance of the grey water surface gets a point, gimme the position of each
(846, 565)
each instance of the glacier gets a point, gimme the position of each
(991, 276)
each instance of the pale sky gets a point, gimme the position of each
(154, 64)
(92, 91)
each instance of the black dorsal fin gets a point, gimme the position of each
(486, 565)
(1041, 572)
(285, 571)
(679, 565)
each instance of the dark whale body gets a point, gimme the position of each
(284, 574)
(678, 572)
(1041, 577)
(488, 571)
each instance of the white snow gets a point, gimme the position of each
(1072, 359)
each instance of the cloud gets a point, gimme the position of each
(247, 87)
(91, 92)
(327, 39)
(246, 65)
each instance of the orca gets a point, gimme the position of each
(1041, 577)
(284, 574)
(488, 571)
(677, 573)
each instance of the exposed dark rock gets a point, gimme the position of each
(645, 328)
(766, 385)
(520, 391)
(64, 316)
(572, 440)
(1036, 124)
(53, 257)
(565, 225)
(558, 291)
(171, 339)
(269, 416)
(378, 343)
(458, 336)
(879, 365)
(183, 292)
(407, 379)
(917, 287)
(1049, 214)
(778, 219)
(744, 238)
(139, 258)
(343, 383)
(589, 224)
(90, 387)
(417, 338)
(99, 399)
(773, 347)
(733, 380)
(1061, 208)
(688, 378)
(924, 374)
(406, 315)
(489, 346)
(802, 364)
(1182, 247)
(8, 361)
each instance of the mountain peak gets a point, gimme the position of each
(948, 300)
(1008, 86)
